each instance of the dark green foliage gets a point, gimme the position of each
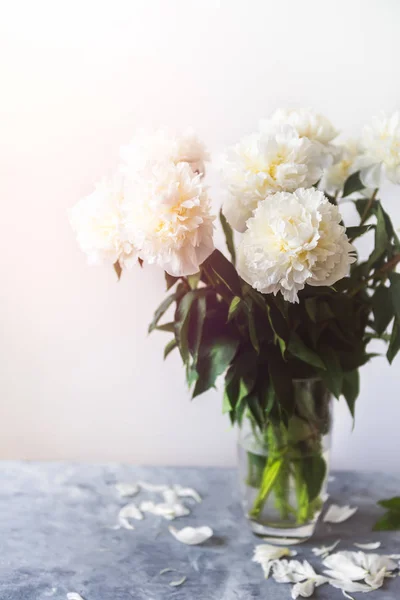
(353, 184)
(391, 519)
(228, 236)
(263, 343)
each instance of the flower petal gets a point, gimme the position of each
(192, 535)
(183, 492)
(178, 582)
(345, 565)
(129, 511)
(325, 550)
(164, 509)
(127, 489)
(153, 487)
(74, 596)
(350, 586)
(338, 514)
(369, 546)
(305, 589)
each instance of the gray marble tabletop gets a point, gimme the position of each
(56, 535)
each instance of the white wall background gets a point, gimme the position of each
(79, 378)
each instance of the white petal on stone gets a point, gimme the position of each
(166, 570)
(192, 535)
(345, 566)
(350, 586)
(331, 478)
(178, 582)
(346, 595)
(324, 497)
(325, 550)
(129, 511)
(338, 514)
(283, 541)
(170, 496)
(74, 596)
(374, 563)
(153, 487)
(305, 589)
(187, 493)
(394, 556)
(287, 571)
(370, 546)
(376, 580)
(127, 489)
(164, 509)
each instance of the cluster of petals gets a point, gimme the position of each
(294, 239)
(157, 208)
(380, 151)
(266, 162)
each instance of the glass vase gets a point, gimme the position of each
(283, 468)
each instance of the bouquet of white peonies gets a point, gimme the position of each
(288, 318)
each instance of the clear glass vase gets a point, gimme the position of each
(283, 468)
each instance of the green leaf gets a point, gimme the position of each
(353, 184)
(253, 404)
(314, 472)
(391, 520)
(395, 293)
(252, 327)
(394, 345)
(355, 232)
(214, 357)
(169, 347)
(280, 379)
(311, 308)
(333, 376)
(193, 280)
(391, 503)
(170, 327)
(351, 389)
(223, 272)
(161, 310)
(227, 229)
(182, 314)
(170, 280)
(381, 237)
(234, 307)
(231, 393)
(301, 351)
(196, 322)
(361, 206)
(382, 308)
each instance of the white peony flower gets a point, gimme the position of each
(265, 163)
(380, 143)
(100, 226)
(161, 146)
(334, 176)
(293, 240)
(307, 123)
(167, 211)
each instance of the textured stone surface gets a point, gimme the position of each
(56, 536)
